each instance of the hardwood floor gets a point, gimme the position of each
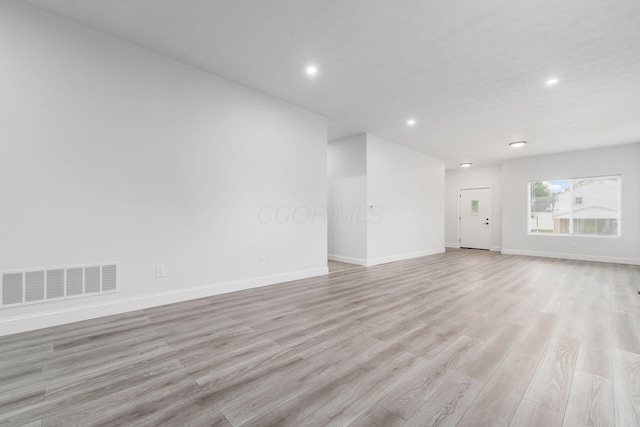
(468, 338)
(340, 266)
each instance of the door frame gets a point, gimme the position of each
(460, 189)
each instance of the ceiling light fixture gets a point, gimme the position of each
(312, 70)
(517, 144)
(411, 122)
(465, 165)
(552, 82)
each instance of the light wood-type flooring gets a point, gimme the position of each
(340, 266)
(467, 338)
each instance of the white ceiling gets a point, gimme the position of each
(472, 73)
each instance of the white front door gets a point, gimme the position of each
(475, 218)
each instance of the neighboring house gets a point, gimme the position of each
(592, 205)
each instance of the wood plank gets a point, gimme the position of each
(13, 377)
(157, 403)
(595, 347)
(408, 397)
(551, 383)
(531, 414)
(626, 381)
(498, 401)
(624, 337)
(377, 416)
(15, 399)
(590, 402)
(491, 354)
(536, 338)
(448, 404)
(196, 415)
(263, 399)
(357, 400)
(80, 400)
(309, 400)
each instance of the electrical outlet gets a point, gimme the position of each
(161, 270)
(263, 259)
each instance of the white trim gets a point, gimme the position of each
(452, 245)
(30, 322)
(577, 257)
(496, 248)
(401, 257)
(349, 260)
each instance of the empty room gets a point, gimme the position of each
(319, 212)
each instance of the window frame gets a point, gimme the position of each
(572, 181)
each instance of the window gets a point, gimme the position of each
(578, 207)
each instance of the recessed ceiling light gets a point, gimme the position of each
(552, 82)
(411, 122)
(312, 70)
(465, 165)
(517, 144)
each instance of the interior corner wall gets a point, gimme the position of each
(614, 160)
(476, 177)
(347, 199)
(406, 190)
(110, 152)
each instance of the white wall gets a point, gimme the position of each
(406, 189)
(113, 153)
(474, 177)
(347, 199)
(622, 160)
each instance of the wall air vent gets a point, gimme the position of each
(56, 283)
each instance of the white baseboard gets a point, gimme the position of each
(12, 325)
(401, 257)
(347, 259)
(496, 248)
(577, 257)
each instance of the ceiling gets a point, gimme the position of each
(471, 73)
